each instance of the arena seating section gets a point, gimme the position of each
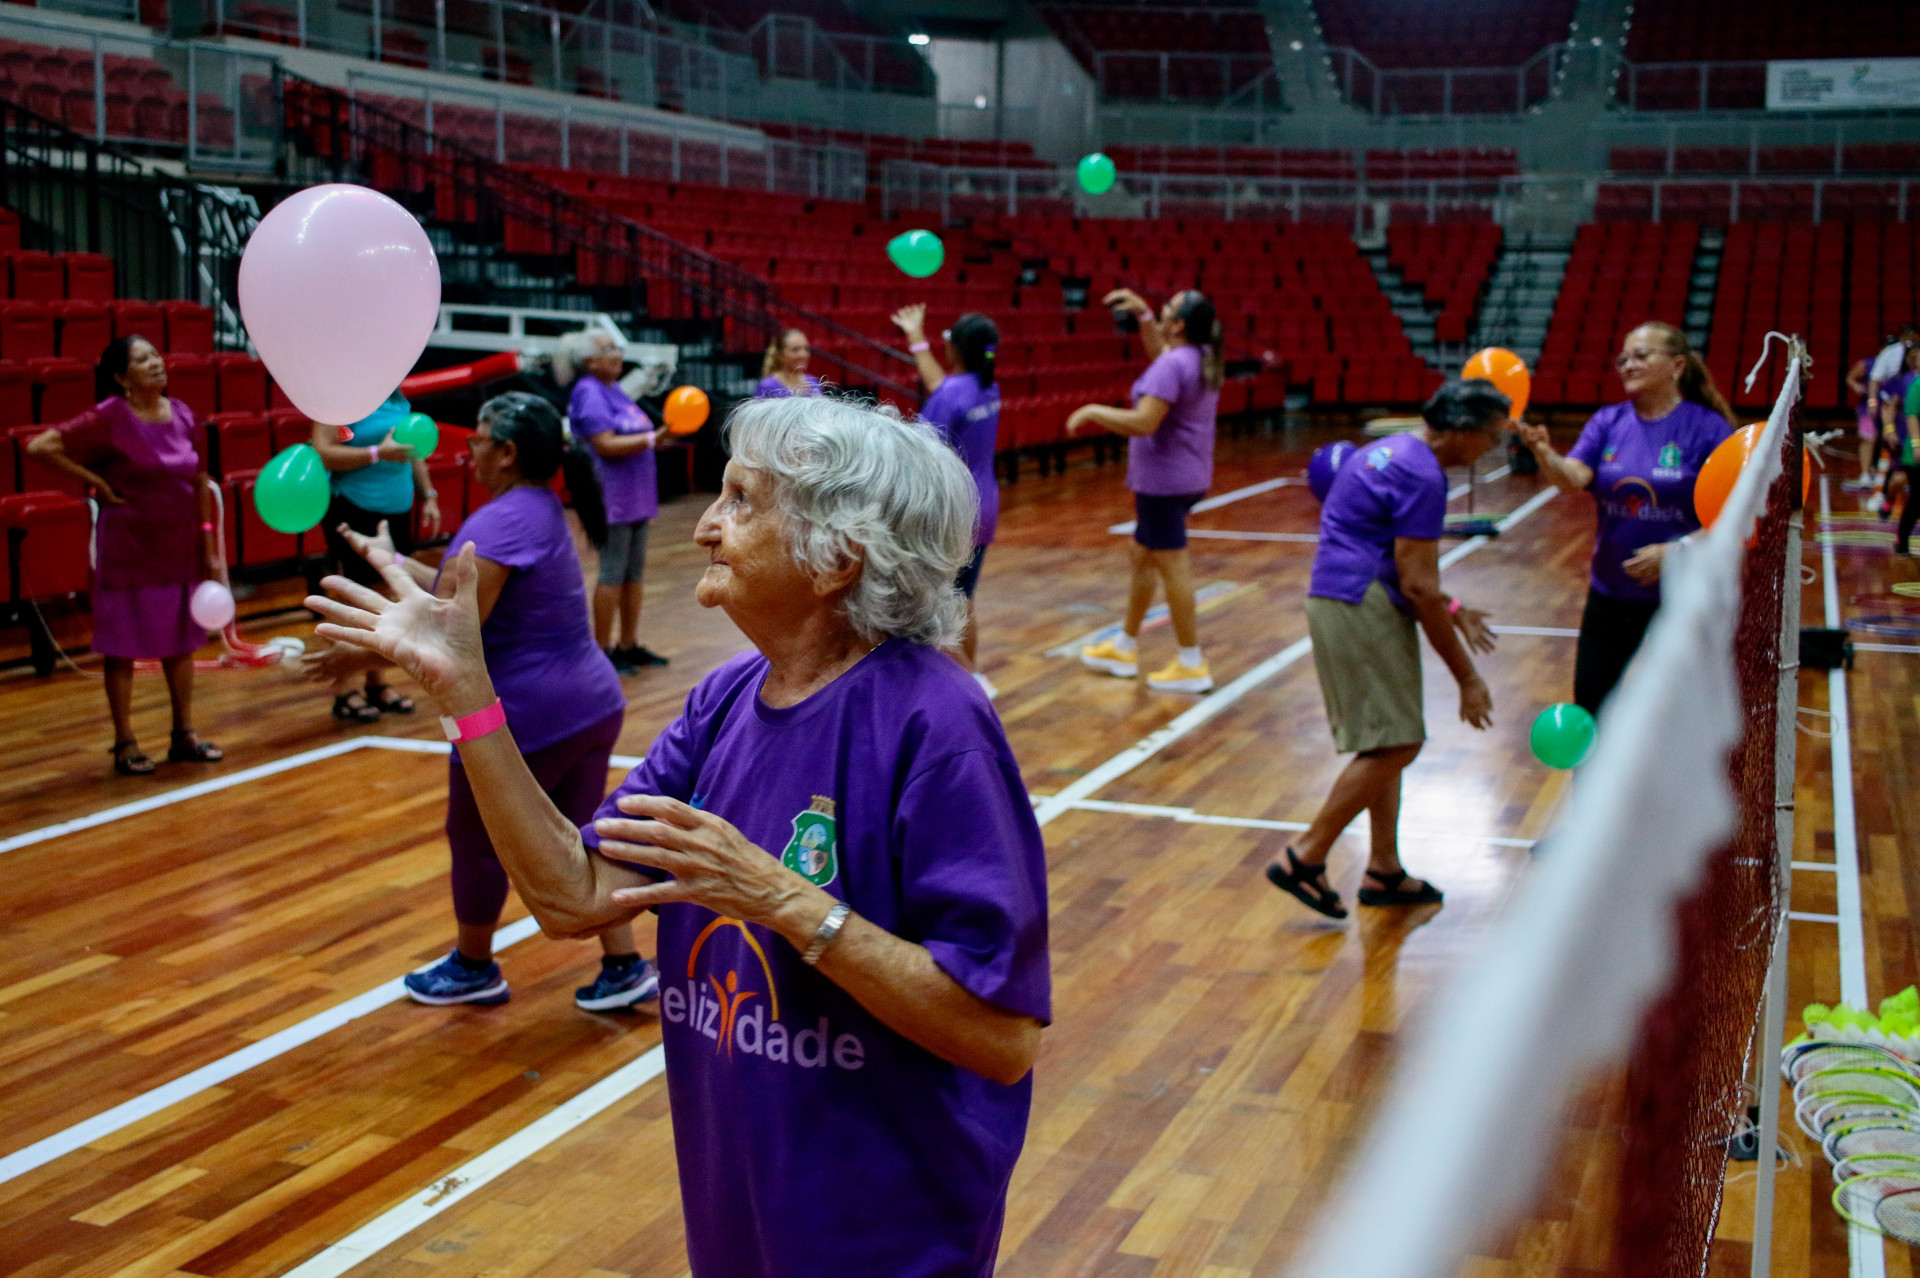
(1743, 30)
(1132, 41)
(1619, 276)
(1451, 264)
(1417, 165)
(143, 103)
(1395, 34)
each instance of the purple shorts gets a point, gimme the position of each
(1160, 523)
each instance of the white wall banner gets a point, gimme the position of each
(1843, 84)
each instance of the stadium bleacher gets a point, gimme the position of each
(1393, 34)
(1136, 53)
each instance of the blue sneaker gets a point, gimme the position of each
(451, 981)
(618, 987)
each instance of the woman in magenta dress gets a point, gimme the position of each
(153, 540)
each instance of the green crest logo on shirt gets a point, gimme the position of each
(1670, 456)
(813, 852)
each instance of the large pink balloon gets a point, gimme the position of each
(339, 289)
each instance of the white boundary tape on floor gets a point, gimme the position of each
(1866, 1252)
(1187, 816)
(1228, 498)
(403, 1219)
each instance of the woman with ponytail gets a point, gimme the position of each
(557, 690)
(783, 370)
(963, 404)
(1169, 466)
(1639, 459)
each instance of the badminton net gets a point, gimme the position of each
(1641, 934)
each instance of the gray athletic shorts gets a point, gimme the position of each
(624, 557)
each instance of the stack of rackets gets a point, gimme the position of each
(1860, 1100)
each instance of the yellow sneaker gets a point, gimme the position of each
(1174, 677)
(1106, 655)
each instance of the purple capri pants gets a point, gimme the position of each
(572, 771)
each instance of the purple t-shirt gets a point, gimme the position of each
(552, 679)
(631, 483)
(1387, 490)
(1643, 474)
(813, 1141)
(771, 387)
(967, 415)
(1177, 459)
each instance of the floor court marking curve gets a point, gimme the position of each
(1228, 498)
(403, 1218)
(1187, 816)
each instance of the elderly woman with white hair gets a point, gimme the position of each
(623, 439)
(850, 882)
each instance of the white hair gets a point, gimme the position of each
(854, 481)
(575, 349)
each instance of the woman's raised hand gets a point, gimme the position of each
(435, 639)
(377, 550)
(1534, 436)
(1131, 300)
(912, 320)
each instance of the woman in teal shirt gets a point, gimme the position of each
(373, 482)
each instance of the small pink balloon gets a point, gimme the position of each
(339, 289)
(211, 605)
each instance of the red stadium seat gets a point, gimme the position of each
(242, 382)
(84, 329)
(63, 388)
(140, 319)
(189, 328)
(48, 535)
(37, 476)
(448, 477)
(26, 331)
(259, 542)
(89, 276)
(290, 427)
(9, 231)
(190, 379)
(240, 441)
(36, 277)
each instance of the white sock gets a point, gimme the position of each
(1191, 658)
(1126, 643)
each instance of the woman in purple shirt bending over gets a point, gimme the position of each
(784, 370)
(1169, 466)
(1639, 459)
(963, 404)
(849, 878)
(1376, 574)
(521, 587)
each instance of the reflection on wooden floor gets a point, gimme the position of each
(1216, 1050)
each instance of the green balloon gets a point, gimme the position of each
(918, 253)
(1097, 174)
(420, 433)
(1562, 736)
(292, 492)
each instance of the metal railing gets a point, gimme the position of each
(1243, 79)
(1774, 145)
(1691, 86)
(336, 137)
(168, 238)
(1447, 90)
(789, 46)
(211, 103)
(1733, 200)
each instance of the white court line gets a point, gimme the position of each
(214, 1073)
(1227, 499)
(1826, 866)
(1866, 1254)
(1217, 703)
(403, 1219)
(1223, 534)
(1879, 647)
(1156, 617)
(1543, 632)
(1803, 916)
(1187, 816)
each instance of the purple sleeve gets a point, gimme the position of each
(1161, 380)
(973, 880)
(587, 412)
(1419, 505)
(496, 532)
(1593, 440)
(669, 768)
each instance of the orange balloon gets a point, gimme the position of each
(687, 409)
(1505, 370)
(1722, 471)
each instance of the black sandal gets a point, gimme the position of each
(347, 712)
(1307, 884)
(387, 701)
(128, 761)
(1393, 890)
(187, 748)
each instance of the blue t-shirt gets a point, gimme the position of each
(1387, 490)
(386, 487)
(1643, 476)
(630, 484)
(812, 1140)
(967, 415)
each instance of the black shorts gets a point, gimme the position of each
(969, 577)
(1160, 523)
(366, 522)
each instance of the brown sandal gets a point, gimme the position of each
(128, 761)
(1307, 884)
(187, 748)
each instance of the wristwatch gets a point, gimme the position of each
(824, 934)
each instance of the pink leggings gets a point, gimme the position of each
(573, 772)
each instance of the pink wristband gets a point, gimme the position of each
(478, 724)
(1453, 607)
(373, 454)
(206, 527)
(917, 347)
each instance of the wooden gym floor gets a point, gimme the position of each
(204, 1069)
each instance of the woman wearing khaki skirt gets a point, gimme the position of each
(1376, 573)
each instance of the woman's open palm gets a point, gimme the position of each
(434, 638)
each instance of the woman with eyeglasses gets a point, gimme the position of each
(1639, 459)
(963, 404)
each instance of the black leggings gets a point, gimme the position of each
(1610, 633)
(1910, 511)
